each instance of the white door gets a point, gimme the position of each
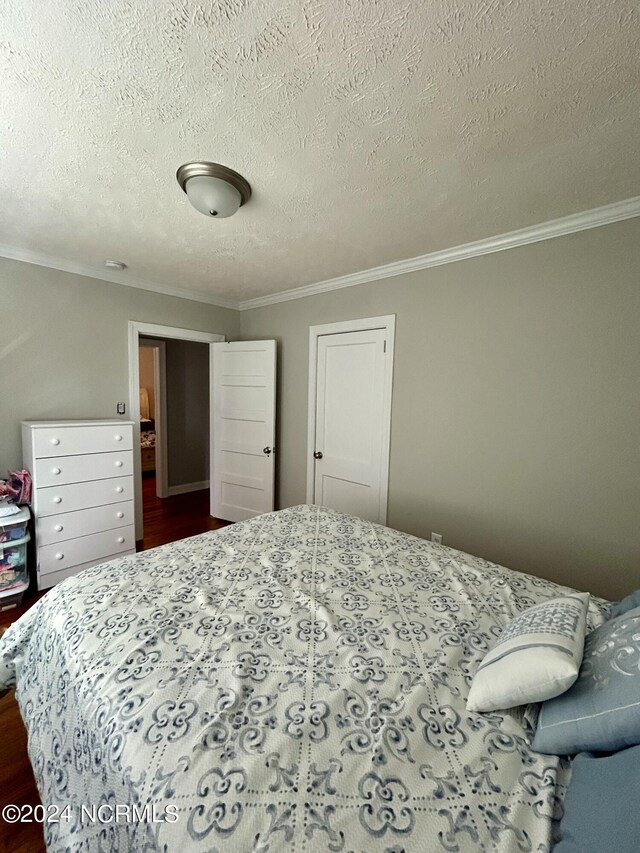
(352, 423)
(243, 392)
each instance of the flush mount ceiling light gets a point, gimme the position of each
(213, 189)
(118, 266)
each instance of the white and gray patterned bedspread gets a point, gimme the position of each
(296, 682)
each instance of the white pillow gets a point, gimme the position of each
(537, 656)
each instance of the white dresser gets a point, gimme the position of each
(82, 493)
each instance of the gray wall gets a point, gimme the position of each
(187, 412)
(63, 350)
(516, 403)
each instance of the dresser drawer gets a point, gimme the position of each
(45, 581)
(58, 499)
(68, 441)
(109, 543)
(70, 525)
(58, 470)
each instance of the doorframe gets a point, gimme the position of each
(388, 323)
(136, 329)
(159, 411)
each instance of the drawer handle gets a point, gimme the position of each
(59, 556)
(119, 515)
(55, 470)
(120, 539)
(57, 500)
(55, 441)
(119, 489)
(58, 528)
(118, 464)
(118, 437)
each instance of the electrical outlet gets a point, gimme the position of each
(437, 538)
(121, 408)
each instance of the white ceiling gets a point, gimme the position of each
(370, 130)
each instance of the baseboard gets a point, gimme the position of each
(187, 487)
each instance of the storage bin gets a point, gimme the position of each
(14, 526)
(14, 577)
(11, 599)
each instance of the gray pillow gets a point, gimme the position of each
(601, 711)
(601, 804)
(629, 603)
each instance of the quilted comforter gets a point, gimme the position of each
(296, 682)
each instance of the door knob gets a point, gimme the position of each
(267, 450)
(317, 454)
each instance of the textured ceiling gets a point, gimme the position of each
(370, 130)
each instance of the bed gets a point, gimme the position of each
(147, 445)
(295, 682)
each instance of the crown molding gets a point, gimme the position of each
(77, 268)
(561, 227)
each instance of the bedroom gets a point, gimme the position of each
(470, 171)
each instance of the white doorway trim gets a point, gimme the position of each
(160, 411)
(137, 330)
(388, 323)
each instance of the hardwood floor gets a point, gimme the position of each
(164, 521)
(16, 782)
(170, 519)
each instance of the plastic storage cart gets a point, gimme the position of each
(14, 576)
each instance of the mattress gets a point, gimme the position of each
(296, 682)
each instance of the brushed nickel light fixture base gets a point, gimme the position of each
(201, 168)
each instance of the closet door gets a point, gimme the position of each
(350, 389)
(243, 393)
(352, 420)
